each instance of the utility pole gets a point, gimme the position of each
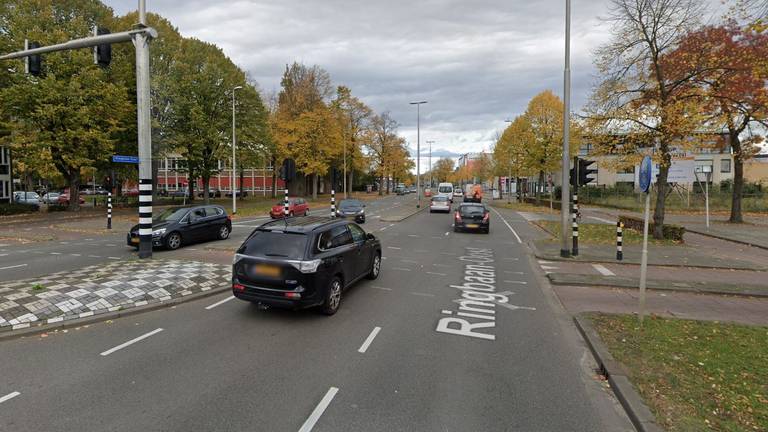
(418, 152)
(430, 162)
(234, 146)
(565, 190)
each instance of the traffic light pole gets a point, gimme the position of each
(141, 36)
(565, 193)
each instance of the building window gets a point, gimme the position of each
(725, 166)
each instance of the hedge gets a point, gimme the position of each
(670, 232)
(15, 208)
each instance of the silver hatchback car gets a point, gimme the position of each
(440, 203)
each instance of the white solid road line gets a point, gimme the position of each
(319, 410)
(602, 220)
(9, 396)
(508, 225)
(381, 288)
(392, 247)
(437, 274)
(368, 340)
(13, 266)
(114, 258)
(218, 303)
(516, 282)
(603, 271)
(401, 268)
(131, 342)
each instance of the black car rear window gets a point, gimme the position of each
(470, 210)
(275, 244)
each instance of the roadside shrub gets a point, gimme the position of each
(670, 232)
(14, 209)
(56, 208)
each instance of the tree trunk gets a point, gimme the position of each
(314, 186)
(74, 189)
(206, 190)
(350, 177)
(661, 198)
(191, 188)
(738, 179)
(538, 186)
(381, 184)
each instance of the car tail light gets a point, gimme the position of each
(306, 266)
(293, 295)
(238, 287)
(458, 217)
(486, 217)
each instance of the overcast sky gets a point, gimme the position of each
(476, 62)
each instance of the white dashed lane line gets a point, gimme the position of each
(55, 253)
(131, 342)
(392, 247)
(381, 288)
(363, 348)
(9, 396)
(401, 268)
(13, 266)
(220, 302)
(319, 410)
(410, 261)
(513, 272)
(516, 282)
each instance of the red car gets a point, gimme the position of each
(64, 199)
(296, 207)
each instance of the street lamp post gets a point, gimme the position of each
(418, 152)
(565, 194)
(509, 175)
(234, 146)
(430, 162)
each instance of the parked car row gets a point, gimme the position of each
(50, 198)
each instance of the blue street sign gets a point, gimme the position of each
(125, 159)
(646, 170)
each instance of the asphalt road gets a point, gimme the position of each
(379, 364)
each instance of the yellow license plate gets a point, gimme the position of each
(266, 270)
(472, 225)
(135, 240)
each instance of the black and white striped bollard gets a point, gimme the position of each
(286, 212)
(145, 217)
(619, 241)
(333, 203)
(109, 210)
(575, 225)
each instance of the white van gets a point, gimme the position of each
(446, 190)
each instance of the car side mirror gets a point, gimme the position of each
(370, 236)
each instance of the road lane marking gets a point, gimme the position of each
(381, 288)
(114, 258)
(218, 303)
(368, 340)
(447, 232)
(319, 409)
(75, 255)
(438, 274)
(422, 294)
(516, 282)
(13, 266)
(94, 256)
(545, 262)
(508, 225)
(55, 253)
(131, 342)
(513, 272)
(9, 396)
(401, 268)
(602, 220)
(2, 255)
(412, 235)
(603, 271)
(392, 247)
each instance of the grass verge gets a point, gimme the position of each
(602, 234)
(694, 375)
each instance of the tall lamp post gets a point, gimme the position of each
(565, 194)
(234, 146)
(430, 162)
(418, 151)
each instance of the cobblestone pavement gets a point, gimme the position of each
(104, 288)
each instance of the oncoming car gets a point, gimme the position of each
(183, 225)
(352, 208)
(472, 217)
(298, 263)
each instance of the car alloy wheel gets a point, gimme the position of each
(223, 232)
(173, 241)
(333, 297)
(375, 267)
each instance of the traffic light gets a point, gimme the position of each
(581, 172)
(34, 62)
(103, 53)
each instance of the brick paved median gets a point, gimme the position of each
(105, 288)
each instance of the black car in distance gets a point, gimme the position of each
(352, 208)
(304, 262)
(183, 225)
(472, 217)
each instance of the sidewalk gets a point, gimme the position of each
(105, 289)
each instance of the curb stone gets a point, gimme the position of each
(77, 320)
(639, 413)
(719, 237)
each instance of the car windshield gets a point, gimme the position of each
(275, 244)
(472, 210)
(346, 204)
(445, 189)
(171, 215)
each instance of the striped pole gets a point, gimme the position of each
(145, 218)
(619, 241)
(575, 225)
(333, 203)
(109, 210)
(286, 212)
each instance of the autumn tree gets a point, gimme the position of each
(729, 74)
(70, 116)
(379, 142)
(354, 117)
(511, 152)
(443, 169)
(637, 106)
